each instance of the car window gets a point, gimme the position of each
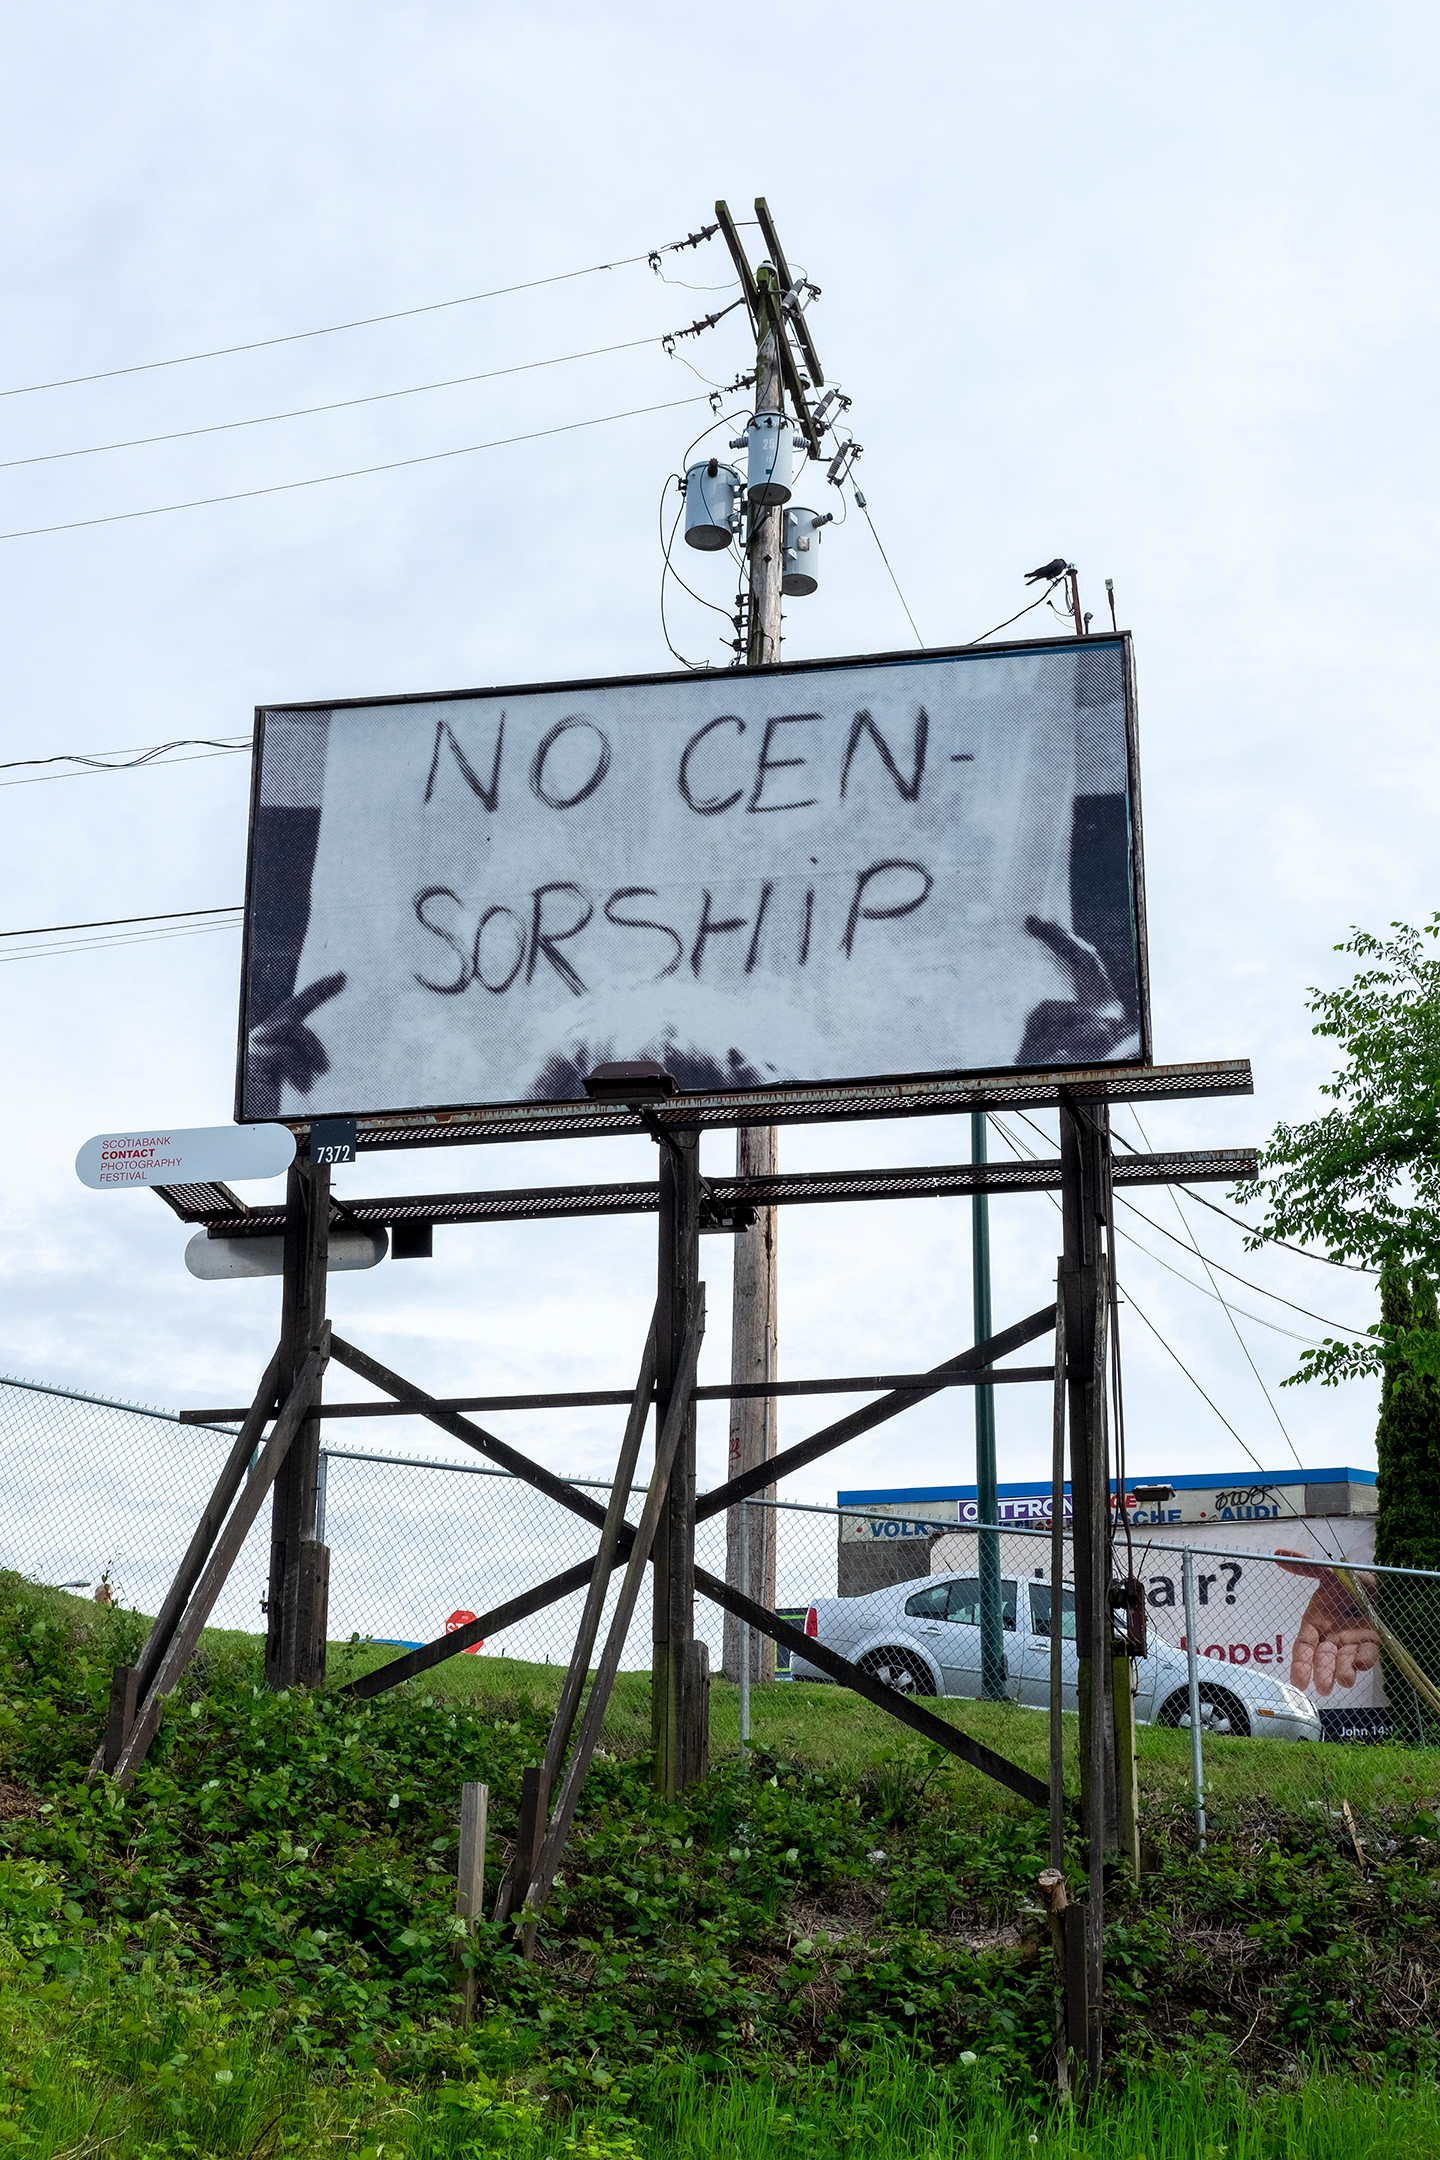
(1040, 1611)
(964, 1602)
(928, 1604)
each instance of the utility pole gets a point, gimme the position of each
(753, 1339)
(992, 1627)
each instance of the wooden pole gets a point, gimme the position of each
(681, 1750)
(753, 1421)
(297, 1600)
(1085, 1201)
(753, 1425)
(470, 1883)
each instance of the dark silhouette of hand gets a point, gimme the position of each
(283, 1050)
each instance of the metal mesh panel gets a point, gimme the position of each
(1280, 1650)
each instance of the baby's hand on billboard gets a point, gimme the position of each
(1336, 1641)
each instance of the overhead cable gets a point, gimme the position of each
(357, 472)
(305, 412)
(863, 505)
(1238, 1222)
(1274, 1407)
(1023, 611)
(116, 922)
(105, 763)
(359, 322)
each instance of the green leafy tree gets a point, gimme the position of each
(1363, 1182)
(1363, 1179)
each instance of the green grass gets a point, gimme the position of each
(833, 1953)
(832, 1729)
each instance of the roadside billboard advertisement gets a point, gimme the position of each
(881, 868)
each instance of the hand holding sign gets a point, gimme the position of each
(1336, 1641)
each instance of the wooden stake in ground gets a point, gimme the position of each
(753, 1427)
(1052, 1892)
(470, 1882)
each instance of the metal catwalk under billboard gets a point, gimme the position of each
(842, 871)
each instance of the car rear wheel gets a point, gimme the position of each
(1221, 1712)
(900, 1670)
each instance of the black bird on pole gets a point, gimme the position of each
(1047, 570)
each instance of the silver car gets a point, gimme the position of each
(923, 1638)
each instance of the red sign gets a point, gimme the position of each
(463, 1619)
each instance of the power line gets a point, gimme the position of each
(108, 944)
(357, 472)
(1237, 1222)
(93, 772)
(305, 412)
(1257, 1288)
(115, 922)
(1274, 1407)
(360, 322)
(127, 764)
(1024, 611)
(860, 500)
(1244, 1280)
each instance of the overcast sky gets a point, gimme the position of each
(1152, 290)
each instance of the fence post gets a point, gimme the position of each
(320, 1482)
(470, 1882)
(1192, 1663)
(745, 1632)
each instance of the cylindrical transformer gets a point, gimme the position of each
(769, 438)
(801, 574)
(712, 496)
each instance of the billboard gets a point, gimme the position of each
(842, 871)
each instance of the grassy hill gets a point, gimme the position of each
(252, 1952)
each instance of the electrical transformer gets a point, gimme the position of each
(801, 573)
(712, 505)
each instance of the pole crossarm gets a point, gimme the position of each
(832, 1436)
(812, 1188)
(936, 1729)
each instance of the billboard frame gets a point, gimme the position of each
(783, 1101)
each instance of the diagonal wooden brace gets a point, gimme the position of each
(859, 1421)
(925, 1722)
(197, 1552)
(598, 1700)
(224, 1554)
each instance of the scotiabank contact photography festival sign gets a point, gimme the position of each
(919, 864)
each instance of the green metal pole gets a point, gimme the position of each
(992, 1627)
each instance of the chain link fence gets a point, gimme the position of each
(1251, 1657)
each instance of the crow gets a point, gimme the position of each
(1047, 570)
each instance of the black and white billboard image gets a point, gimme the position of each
(926, 863)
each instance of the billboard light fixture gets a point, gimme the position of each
(639, 1080)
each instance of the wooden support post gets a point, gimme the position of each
(1127, 1767)
(470, 1883)
(642, 1545)
(753, 1427)
(1085, 1172)
(681, 1749)
(297, 1600)
(124, 1686)
(534, 1813)
(1052, 1893)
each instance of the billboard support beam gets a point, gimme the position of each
(1084, 1290)
(297, 1599)
(679, 1668)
